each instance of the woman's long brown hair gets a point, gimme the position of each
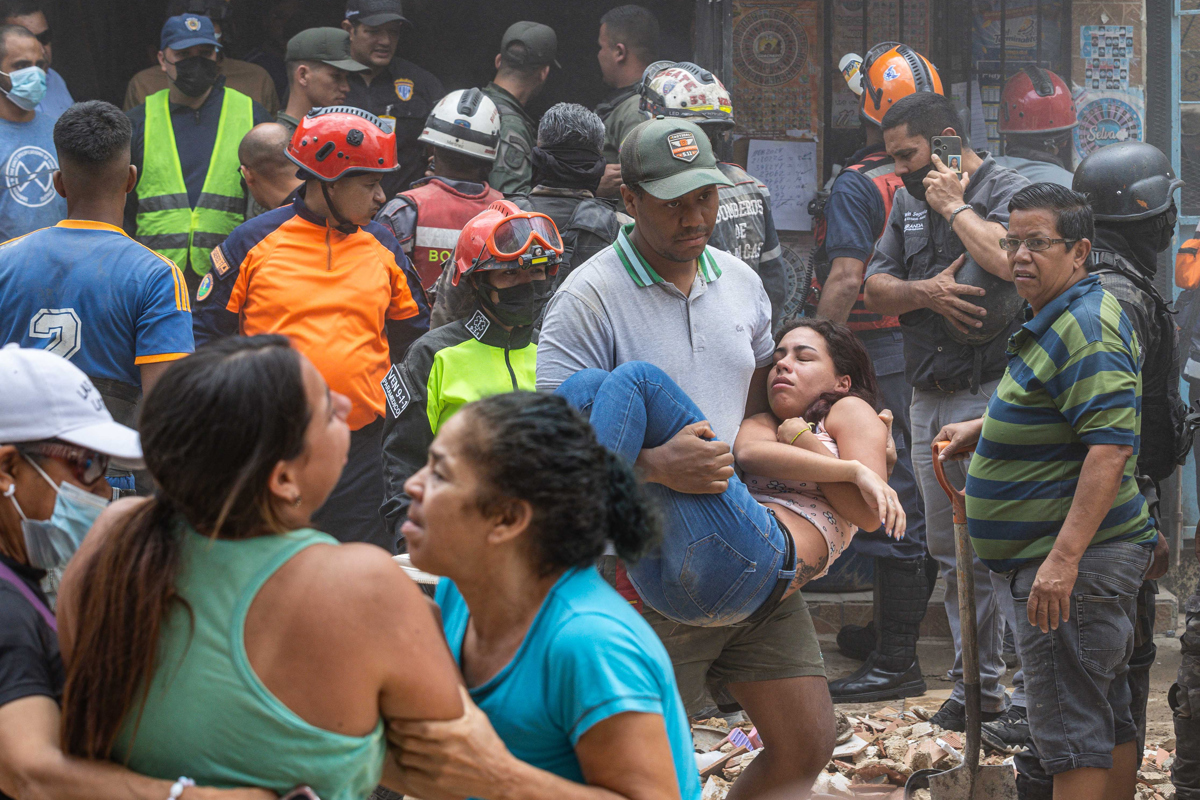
(849, 358)
(213, 429)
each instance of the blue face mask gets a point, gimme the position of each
(51, 543)
(28, 87)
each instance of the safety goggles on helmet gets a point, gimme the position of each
(516, 236)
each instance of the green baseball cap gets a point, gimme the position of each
(669, 158)
(540, 41)
(327, 45)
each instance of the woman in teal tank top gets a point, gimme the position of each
(209, 632)
(570, 689)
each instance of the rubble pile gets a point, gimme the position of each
(1154, 774)
(875, 754)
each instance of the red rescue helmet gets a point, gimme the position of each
(502, 236)
(1035, 100)
(332, 142)
(892, 71)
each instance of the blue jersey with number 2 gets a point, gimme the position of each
(89, 293)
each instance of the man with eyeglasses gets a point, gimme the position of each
(1053, 503)
(943, 228)
(30, 15)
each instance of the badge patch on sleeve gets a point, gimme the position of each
(478, 325)
(219, 262)
(397, 394)
(205, 288)
(404, 89)
(683, 146)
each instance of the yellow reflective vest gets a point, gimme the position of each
(166, 222)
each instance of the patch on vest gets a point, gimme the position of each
(404, 89)
(205, 288)
(397, 394)
(683, 146)
(219, 262)
(478, 325)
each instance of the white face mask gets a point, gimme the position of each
(51, 543)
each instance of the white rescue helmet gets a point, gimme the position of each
(683, 90)
(466, 121)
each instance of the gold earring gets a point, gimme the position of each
(296, 501)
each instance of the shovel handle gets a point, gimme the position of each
(965, 573)
(958, 498)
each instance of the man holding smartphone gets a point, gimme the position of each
(938, 220)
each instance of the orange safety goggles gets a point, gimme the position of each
(529, 238)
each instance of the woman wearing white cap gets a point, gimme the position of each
(56, 439)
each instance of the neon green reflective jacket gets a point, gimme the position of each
(458, 363)
(166, 222)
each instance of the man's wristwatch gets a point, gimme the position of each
(957, 211)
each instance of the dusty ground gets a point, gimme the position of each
(937, 657)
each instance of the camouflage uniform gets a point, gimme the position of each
(620, 113)
(1184, 699)
(513, 170)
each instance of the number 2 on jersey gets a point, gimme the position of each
(61, 326)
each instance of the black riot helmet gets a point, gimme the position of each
(1001, 301)
(1127, 181)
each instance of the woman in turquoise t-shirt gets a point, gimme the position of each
(570, 689)
(208, 632)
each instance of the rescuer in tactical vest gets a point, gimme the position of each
(189, 194)
(463, 131)
(506, 258)
(744, 226)
(1037, 116)
(567, 168)
(847, 225)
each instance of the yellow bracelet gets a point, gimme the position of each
(798, 435)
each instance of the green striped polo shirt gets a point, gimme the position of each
(1072, 382)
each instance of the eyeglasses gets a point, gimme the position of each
(45, 37)
(88, 465)
(1035, 245)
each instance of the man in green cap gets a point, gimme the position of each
(661, 295)
(522, 67)
(318, 66)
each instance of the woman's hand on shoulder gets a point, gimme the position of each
(791, 429)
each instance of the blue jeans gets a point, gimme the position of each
(721, 555)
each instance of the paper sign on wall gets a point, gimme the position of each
(789, 169)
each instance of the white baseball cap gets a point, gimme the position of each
(44, 396)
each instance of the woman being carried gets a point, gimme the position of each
(736, 554)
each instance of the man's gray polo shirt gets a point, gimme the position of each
(918, 243)
(615, 308)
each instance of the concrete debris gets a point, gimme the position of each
(877, 752)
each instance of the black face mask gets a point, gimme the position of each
(1167, 230)
(518, 306)
(915, 181)
(196, 75)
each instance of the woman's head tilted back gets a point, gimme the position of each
(526, 469)
(817, 362)
(244, 438)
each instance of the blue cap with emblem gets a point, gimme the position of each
(188, 30)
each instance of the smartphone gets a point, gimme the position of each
(949, 150)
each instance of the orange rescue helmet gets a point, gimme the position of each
(891, 71)
(502, 236)
(1035, 100)
(330, 143)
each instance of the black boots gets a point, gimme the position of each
(892, 670)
